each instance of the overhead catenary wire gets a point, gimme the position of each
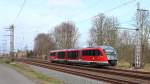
(121, 5)
(19, 12)
(109, 10)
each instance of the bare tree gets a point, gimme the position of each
(92, 41)
(126, 37)
(43, 43)
(125, 46)
(66, 35)
(103, 31)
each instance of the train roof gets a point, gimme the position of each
(106, 47)
(64, 50)
(102, 47)
(89, 48)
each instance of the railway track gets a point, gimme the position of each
(111, 75)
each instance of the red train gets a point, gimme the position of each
(101, 55)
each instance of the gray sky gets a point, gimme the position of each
(41, 16)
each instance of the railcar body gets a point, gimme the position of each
(101, 55)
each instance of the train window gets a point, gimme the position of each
(97, 53)
(73, 54)
(52, 54)
(90, 52)
(83, 52)
(61, 55)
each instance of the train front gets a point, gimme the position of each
(111, 54)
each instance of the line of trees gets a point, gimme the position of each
(64, 36)
(104, 31)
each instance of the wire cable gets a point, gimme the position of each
(112, 9)
(119, 6)
(19, 12)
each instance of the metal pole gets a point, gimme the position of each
(137, 57)
(139, 31)
(11, 35)
(12, 42)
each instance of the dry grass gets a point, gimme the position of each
(126, 65)
(123, 65)
(146, 67)
(35, 76)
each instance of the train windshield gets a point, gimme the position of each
(110, 52)
(108, 49)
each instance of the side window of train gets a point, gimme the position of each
(69, 55)
(73, 54)
(84, 52)
(52, 54)
(97, 53)
(61, 55)
(91, 53)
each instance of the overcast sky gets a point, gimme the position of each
(41, 16)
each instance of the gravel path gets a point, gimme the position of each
(10, 76)
(66, 78)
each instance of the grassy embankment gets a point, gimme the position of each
(37, 77)
(126, 65)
